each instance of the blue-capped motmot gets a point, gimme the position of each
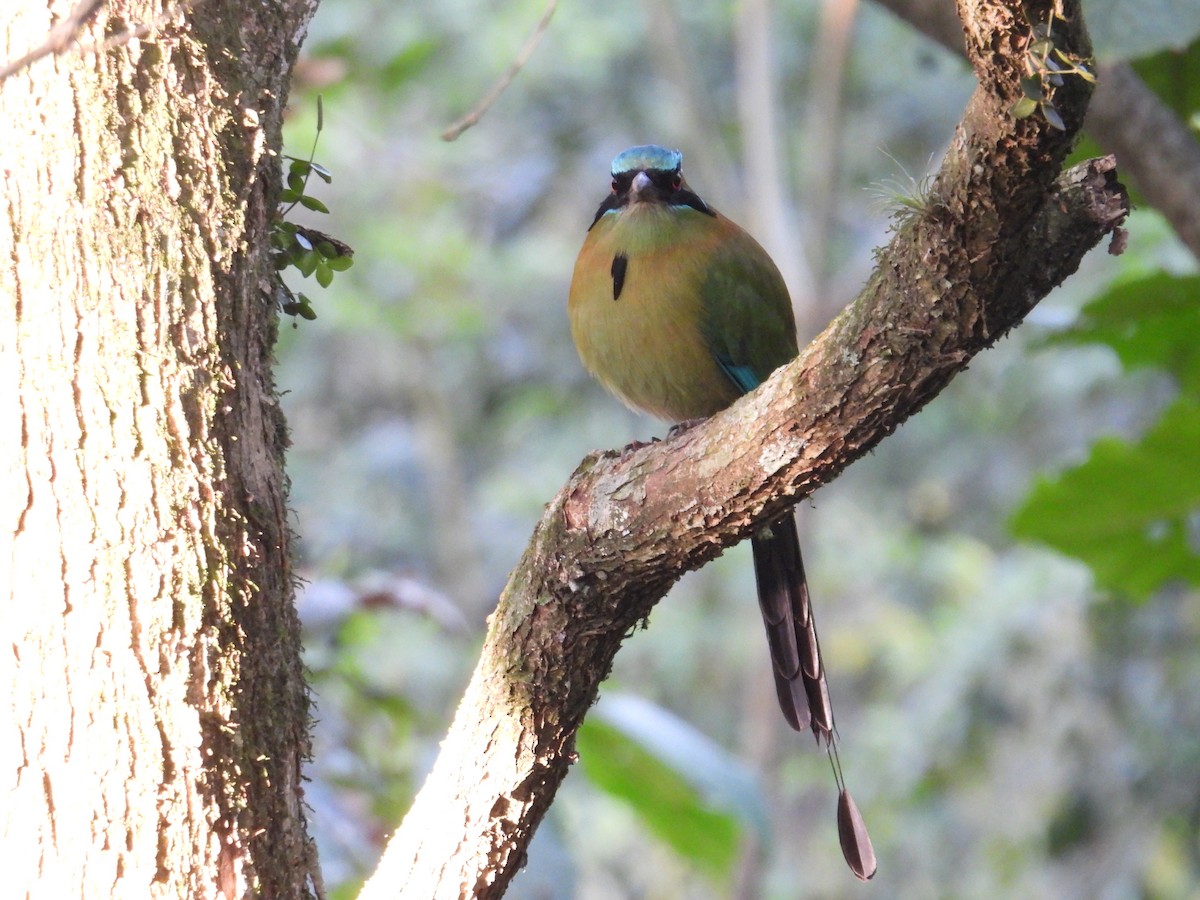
(678, 312)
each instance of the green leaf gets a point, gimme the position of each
(409, 62)
(324, 274)
(339, 263)
(323, 173)
(314, 204)
(1051, 115)
(1151, 322)
(287, 195)
(1127, 511)
(1077, 66)
(1041, 48)
(1024, 108)
(687, 791)
(307, 262)
(1031, 87)
(1175, 77)
(295, 181)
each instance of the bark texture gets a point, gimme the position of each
(1001, 227)
(156, 717)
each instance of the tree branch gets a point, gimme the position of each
(1157, 151)
(1001, 228)
(63, 35)
(58, 39)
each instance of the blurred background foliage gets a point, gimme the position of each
(1015, 721)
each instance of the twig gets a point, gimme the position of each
(505, 80)
(58, 38)
(61, 34)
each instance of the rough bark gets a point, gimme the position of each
(156, 712)
(1001, 227)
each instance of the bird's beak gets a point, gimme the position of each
(641, 182)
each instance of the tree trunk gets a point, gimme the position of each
(157, 713)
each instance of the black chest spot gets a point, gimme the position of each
(620, 264)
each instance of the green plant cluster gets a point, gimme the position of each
(1045, 66)
(310, 252)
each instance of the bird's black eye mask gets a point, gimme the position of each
(666, 187)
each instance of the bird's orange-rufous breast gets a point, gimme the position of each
(646, 343)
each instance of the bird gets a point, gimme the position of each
(678, 312)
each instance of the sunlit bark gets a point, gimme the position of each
(156, 718)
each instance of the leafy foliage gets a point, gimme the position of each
(685, 789)
(308, 251)
(1151, 322)
(1174, 75)
(1045, 68)
(666, 803)
(1132, 509)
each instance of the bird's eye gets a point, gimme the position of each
(677, 182)
(614, 185)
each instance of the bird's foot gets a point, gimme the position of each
(634, 446)
(680, 427)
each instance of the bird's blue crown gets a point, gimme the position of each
(648, 156)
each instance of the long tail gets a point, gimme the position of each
(800, 671)
(791, 631)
